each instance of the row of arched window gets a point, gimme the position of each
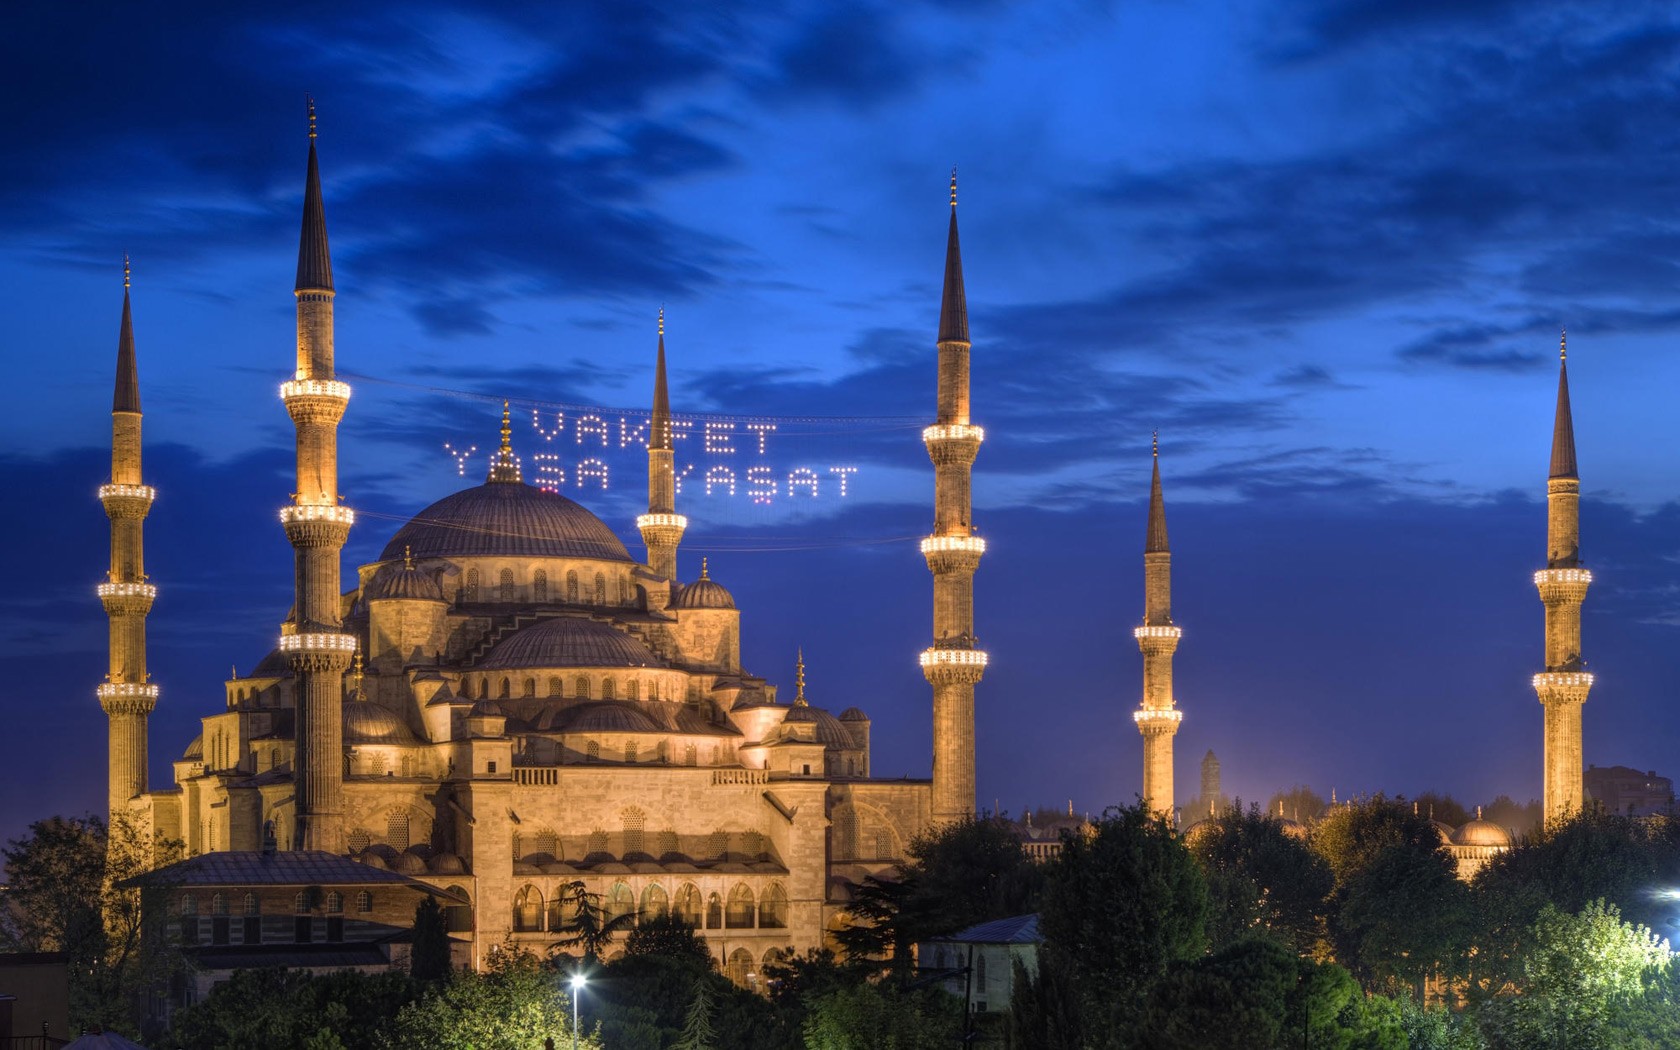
(740, 911)
(303, 903)
(635, 839)
(576, 592)
(583, 687)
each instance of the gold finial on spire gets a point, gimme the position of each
(1563, 344)
(661, 320)
(799, 679)
(408, 557)
(356, 677)
(311, 99)
(953, 185)
(703, 575)
(507, 428)
(1478, 813)
(1155, 443)
(125, 271)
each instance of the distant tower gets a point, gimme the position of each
(1157, 719)
(953, 664)
(1562, 687)
(314, 640)
(1210, 778)
(661, 527)
(127, 695)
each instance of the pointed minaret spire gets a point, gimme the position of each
(799, 680)
(661, 527)
(127, 394)
(1563, 425)
(953, 304)
(1156, 541)
(314, 269)
(504, 465)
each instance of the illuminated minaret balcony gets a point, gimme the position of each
(127, 501)
(947, 554)
(1562, 687)
(126, 599)
(942, 664)
(314, 512)
(953, 443)
(661, 529)
(1157, 721)
(1562, 586)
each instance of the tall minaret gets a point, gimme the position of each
(127, 695)
(1563, 686)
(1157, 719)
(317, 526)
(662, 527)
(953, 664)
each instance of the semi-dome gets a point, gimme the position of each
(1442, 829)
(404, 583)
(446, 864)
(568, 641)
(704, 593)
(853, 714)
(1481, 832)
(608, 716)
(829, 730)
(195, 750)
(366, 722)
(506, 518)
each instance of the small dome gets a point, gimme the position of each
(373, 860)
(195, 750)
(853, 714)
(366, 722)
(704, 593)
(800, 713)
(503, 519)
(568, 641)
(275, 665)
(410, 864)
(1444, 830)
(608, 716)
(1481, 832)
(487, 709)
(404, 583)
(447, 864)
(829, 731)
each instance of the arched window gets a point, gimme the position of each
(189, 904)
(408, 765)
(528, 910)
(458, 918)
(630, 750)
(539, 586)
(592, 751)
(741, 968)
(883, 844)
(655, 903)
(980, 967)
(621, 900)
(739, 914)
(714, 912)
(546, 841)
(607, 690)
(688, 905)
(507, 585)
(632, 690)
(396, 830)
(572, 587)
(517, 840)
(364, 902)
(715, 755)
(582, 684)
(484, 688)
(773, 908)
(667, 841)
(634, 822)
(555, 686)
(300, 903)
(623, 591)
(469, 593)
(600, 589)
(335, 903)
(507, 689)
(250, 905)
(530, 687)
(218, 904)
(597, 841)
(845, 834)
(653, 689)
(691, 755)
(752, 844)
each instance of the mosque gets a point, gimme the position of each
(508, 703)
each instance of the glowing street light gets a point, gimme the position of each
(577, 989)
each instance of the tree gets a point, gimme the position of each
(277, 1007)
(1437, 805)
(1587, 981)
(430, 961)
(879, 1017)
(514, 1006)
(957, 875)
(1350, 837)
(1043, 1007)
(67, 894)
(1437, 1028)
(669, 935)
(791, 979)
(1121, 906)
(590, 927)
(1261, 878)
(697, 1033)
(1402, 917)
(1520, 819)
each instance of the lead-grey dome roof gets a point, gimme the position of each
(366, 722)
(568, 641)
(505, 518)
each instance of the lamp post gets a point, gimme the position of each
(577, 989)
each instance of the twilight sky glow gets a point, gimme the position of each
(1324, 246)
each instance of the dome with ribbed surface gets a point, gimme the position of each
(609, 716)
(569, 642)
(195, 750)
(503, 518)
(704, 593)
(404, 583)
(853, 714)
(366, 722)
(1481, 832)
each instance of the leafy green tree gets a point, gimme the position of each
(66, 894)
(1260, 878)
(879, 1017)
(276, 1007)
(669, 935)
(430, 961)
(1121, 906)
(697, 1032)
(1404, 916)
(1437, 1028)
(1587, 981)
(589, 927)
(1350, 837)
(956, 875)
(790, 979)
(514, 1006)
(1043, 1007)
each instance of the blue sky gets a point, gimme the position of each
(1325, 247)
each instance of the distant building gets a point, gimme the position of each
(982, 959)
(1628, 791)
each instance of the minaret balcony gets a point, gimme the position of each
(145, 492)
(1562, 586)
(661, 530)
(1562, 687)
(1157, 721)
(317, 642)
(953, 443)
(128, 590)
(319, 402)
(953, 554)
(1157, 640)
(128, 698)
(329, 388)
(960, 666)
(127, 501)
(317, 512)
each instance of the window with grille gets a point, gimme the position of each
(469, 593)
(718, 844)
(547, 842)
(691, 755)
(630, 751)
(597, 841)
(582, 683)
(634, 823)
(506, 585)
(396, 831)
(539, 586)
(572, 587)
(845, 835)
(364, 902)
(600, 589)
(883, 844)
(335, 903)
(593, 751)
(667, 842)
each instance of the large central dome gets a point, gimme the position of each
(506, 518)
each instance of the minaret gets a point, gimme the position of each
(317, 526)
(661, 527)
(1562, 687)
(1210, 776)
(1157, 719)
(953, 664)
(127, 695)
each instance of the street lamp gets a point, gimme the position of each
(577, 989)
